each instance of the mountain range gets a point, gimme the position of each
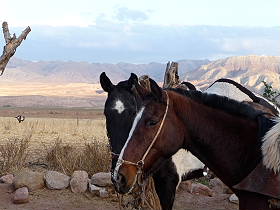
(48, 82)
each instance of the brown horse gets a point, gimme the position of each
(224, 134)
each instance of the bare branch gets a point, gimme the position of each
(6, 32)
(11, 45)
(171, 78)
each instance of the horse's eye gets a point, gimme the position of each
(151, 123)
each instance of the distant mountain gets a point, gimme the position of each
(248, 70)
(76, 83)
(83, 72)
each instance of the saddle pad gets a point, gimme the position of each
(261, 180)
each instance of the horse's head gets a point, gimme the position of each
(120, 110)
(149, 142)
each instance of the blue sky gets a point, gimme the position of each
(144, 30)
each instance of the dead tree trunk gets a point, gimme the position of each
(12, 42)
(144, 82)
(171, 77)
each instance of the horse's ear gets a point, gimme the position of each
(156, 90)
(106, 83)
(133, 80)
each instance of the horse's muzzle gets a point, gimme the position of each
(124, 178)
(120, 183)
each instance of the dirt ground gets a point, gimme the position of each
(66, 200)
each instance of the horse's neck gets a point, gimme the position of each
(226, 144)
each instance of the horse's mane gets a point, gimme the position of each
(123, 84)
(223, 103)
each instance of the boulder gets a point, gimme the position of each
(79, 181)
(8, 179)
(103, 193)
(101, 179)
(21, 196)
(201, 189)
(219, 187)
(234, 199)
(56, 180)
(94, 189)
(99, 191)
(197, 188)
(30, 179)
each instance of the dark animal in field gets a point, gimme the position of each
(20, 118)
(238, 143)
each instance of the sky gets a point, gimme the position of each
(156, 12)
(129, 30)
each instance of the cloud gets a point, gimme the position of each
(140, 43)
(125, 14)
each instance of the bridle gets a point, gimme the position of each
(140, 164)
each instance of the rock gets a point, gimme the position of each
(94, 189)
(101, 179)
(56, 180)
(21, 196)
(218, 186)
(201, 189)
(234, 199)
(8, 179)
(99, 191)
(197, 188)
(103, 193)
(79, 181)
(30, 179)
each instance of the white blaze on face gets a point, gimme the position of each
(119, 106)
(135, 122)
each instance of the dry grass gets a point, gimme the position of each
(13, 154)
(62, 144)
(93, 157)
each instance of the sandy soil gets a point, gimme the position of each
(65, 200)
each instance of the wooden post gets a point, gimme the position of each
(12, 42)
(171, 77)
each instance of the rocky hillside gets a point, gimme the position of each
(83, 72)
(76, 83)
(247, 70)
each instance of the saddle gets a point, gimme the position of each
(262, 181)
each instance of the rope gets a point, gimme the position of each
(142, 197)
